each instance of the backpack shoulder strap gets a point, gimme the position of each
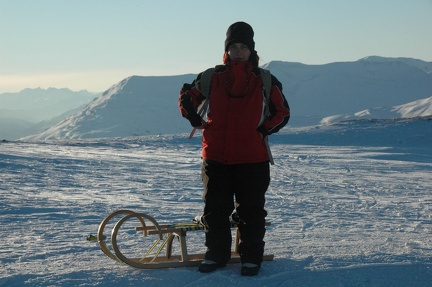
(205, 81)
(267, 84)
(204, 86)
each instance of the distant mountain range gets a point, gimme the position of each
(35, 110)
(318, 94)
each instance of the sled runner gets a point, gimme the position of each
(155, 241)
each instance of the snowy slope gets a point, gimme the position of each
(148, 105)
(419, 108)
(350, 205)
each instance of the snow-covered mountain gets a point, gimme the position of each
(135, 106)
(419, 108)
(148, 105)
(319, 91)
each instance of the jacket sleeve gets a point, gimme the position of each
(278, 107)
(190, 98)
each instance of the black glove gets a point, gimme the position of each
(195, 120)
(263, 131)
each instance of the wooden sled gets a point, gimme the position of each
(156, 244)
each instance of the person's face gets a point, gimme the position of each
(239, 52)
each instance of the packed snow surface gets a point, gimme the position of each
(350, 205)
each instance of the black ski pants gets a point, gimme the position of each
(239, 186)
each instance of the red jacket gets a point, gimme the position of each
(235, 111)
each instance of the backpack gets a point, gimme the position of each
(205, 82)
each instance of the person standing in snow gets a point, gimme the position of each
(235, 158)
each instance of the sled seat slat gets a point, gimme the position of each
(178, 229)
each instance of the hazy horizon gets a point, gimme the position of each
(93, 44)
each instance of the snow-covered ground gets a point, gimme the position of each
(350, 205)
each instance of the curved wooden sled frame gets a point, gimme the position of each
(152, 259)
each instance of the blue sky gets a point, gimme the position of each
(92, 44)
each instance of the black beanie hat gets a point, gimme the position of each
(240, 32)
